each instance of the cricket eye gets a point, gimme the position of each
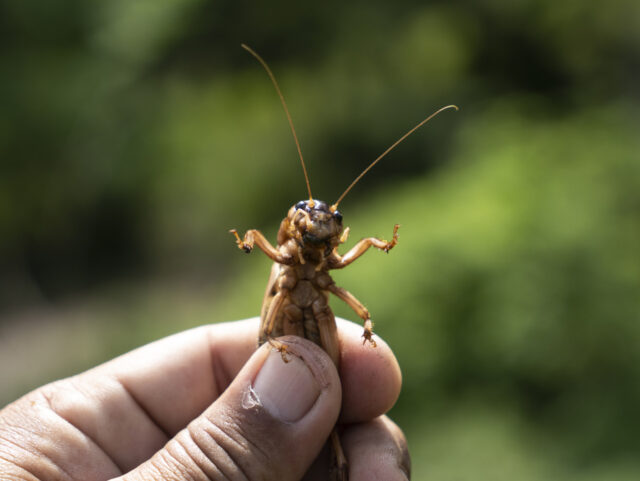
(338, 216)
(301, 205)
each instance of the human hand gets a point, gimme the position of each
(203, 405)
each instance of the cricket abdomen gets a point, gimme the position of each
(305, 311)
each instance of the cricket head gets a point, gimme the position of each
(315, 222)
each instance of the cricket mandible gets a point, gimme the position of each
(296, 300)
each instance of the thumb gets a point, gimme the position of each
(270, 423)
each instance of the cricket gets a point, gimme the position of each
(296, 301)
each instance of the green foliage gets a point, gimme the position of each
(516, 279)
(135, 134)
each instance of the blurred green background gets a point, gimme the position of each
(135, 134)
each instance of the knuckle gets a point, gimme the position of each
(404, 458)
(223, 449)
(170, 466)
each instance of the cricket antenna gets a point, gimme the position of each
(335, 206)
(286, 110)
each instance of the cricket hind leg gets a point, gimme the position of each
(359, 309)
(339, 470)
(327, 329)
(270, 328)
(325, 325)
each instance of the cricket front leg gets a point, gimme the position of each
(255, 237)
(362, 246)
(359, 309)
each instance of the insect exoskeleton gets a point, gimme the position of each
(297, 295)
(296, 301)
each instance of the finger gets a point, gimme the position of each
(376, 450)
(269, 424)
(176, 378)
(371, 377)
(131, 406)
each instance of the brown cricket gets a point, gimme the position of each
(296, 301)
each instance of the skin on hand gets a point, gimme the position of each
(165, 408)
